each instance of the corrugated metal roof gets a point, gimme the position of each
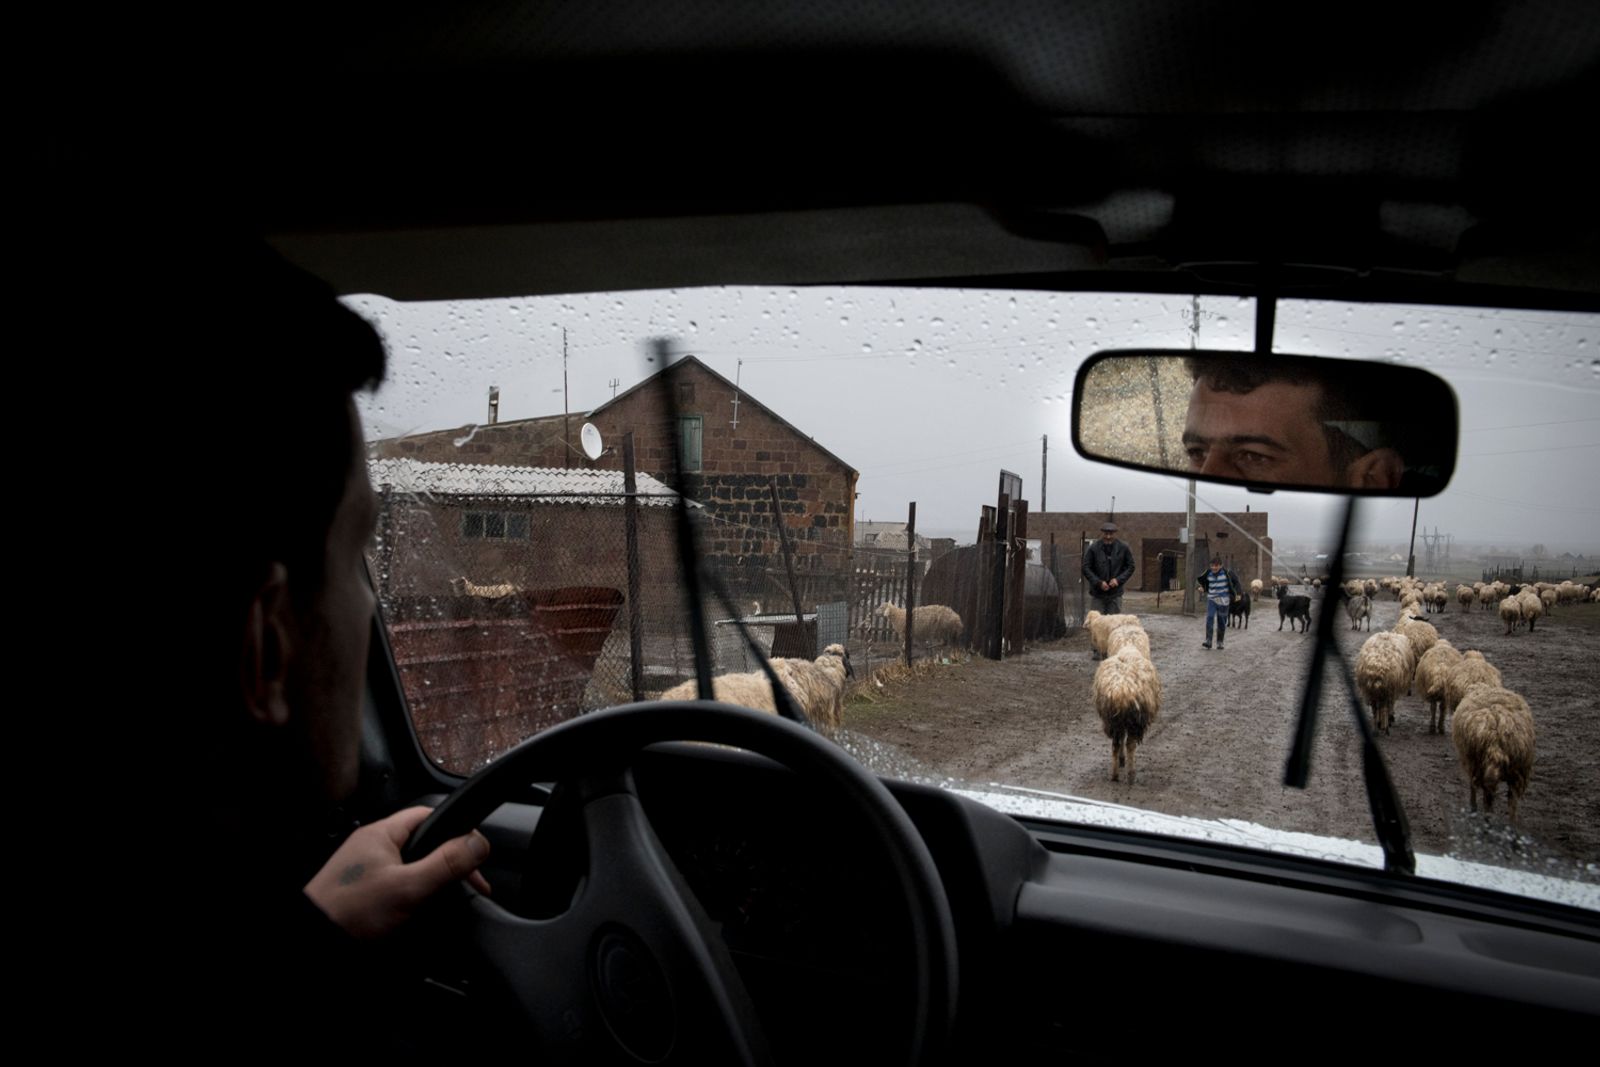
(553, 484)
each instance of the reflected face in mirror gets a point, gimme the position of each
(1279, 431)
(1269, 420)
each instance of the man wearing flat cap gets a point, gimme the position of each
(1107, 566)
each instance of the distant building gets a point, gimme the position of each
(1155, 538)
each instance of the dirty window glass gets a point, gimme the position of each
(819, 416)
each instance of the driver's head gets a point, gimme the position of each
(287, 606)
(1254, 421)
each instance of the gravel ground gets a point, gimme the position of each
(1226, 723)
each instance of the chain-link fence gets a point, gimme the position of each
(515, 598)
(510, 608)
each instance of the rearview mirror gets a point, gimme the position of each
(1268, 421)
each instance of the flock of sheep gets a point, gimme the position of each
(1127, 689)
(1490, 726)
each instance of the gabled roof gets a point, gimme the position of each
(886, 535)
(547, 484)
(744, 398)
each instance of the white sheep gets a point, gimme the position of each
(1255, 588)
(1383, 671)
(933, 624)
(1472, 670)
(1487, 596)
(1494, 739)
(1465, 595)
(1129, 633)
(817, 686)
(1532, 607)
(1127, 696)
(1422, 634)
(1100, 627)
(1511, 612)
(1433, 672)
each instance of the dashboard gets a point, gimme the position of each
(1057, 926)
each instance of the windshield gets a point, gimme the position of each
(914, 447)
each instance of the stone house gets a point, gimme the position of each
(737, 451)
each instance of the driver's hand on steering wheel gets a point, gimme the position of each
(366, 889)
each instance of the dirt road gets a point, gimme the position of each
(1226, 725)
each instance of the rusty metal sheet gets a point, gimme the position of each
(481, 675)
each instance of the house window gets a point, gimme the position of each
(689, 438)
(495, 525)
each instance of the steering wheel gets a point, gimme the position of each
(634, 968)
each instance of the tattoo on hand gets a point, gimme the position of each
(352, 874)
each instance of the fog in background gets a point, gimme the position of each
(929, 392)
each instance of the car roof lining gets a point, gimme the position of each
(516, 152)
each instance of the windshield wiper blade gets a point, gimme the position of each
(1388, 815)
(689, 566)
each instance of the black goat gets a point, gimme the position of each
(1239, 611)
(1292, 608)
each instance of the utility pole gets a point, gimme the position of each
(1411, 558)
(566, 406)
(738, 372)
(1188, 530)
(1044, 469)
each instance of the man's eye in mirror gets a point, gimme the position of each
(1271, 421)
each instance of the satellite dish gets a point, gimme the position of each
(591, 440)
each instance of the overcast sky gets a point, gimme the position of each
(929, 392)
